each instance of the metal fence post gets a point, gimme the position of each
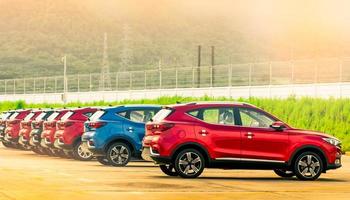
(211, 76)
(14, 86)
(145, 79)
(193, 77)
(90, 83)
(55, 84)
(24, 86)
(44, 85)
(176, 77)
(34, 86)
(250, 79)
(5, 87)
(117, 81)
(130, 81)
(78, 83)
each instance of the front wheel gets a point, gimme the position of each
(168, 170)
(81, 153)
(7, 145)
(284, 173)
(103, 160)
(308, 166)
(119, 154)
(189, 163)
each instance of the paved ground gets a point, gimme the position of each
(25, 175)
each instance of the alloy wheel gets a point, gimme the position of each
(84, 153)
(119, 154)
(189, 163)
(308, 166)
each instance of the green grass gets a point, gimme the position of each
(331, 116)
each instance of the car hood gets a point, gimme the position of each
(308, 132)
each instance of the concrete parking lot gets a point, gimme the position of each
(25, 175)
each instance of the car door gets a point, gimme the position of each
(134, 127)
(217, 132)
(260, 142)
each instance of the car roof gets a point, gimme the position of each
(211, 104)
(126, 107)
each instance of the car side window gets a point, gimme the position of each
(254, 118)
(140, 116)
(215, 115)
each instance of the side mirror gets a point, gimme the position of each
(278, 126)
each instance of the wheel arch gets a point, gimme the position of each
(192, 145)
(311, 148)
(120, 139)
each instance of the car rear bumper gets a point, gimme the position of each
(148, 155)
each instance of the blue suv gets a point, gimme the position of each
(115, 134)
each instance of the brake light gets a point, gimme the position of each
(62, 125)
(13, 122)
(96, 124)
(159, 128)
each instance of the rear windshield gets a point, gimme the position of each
(14, 115)
(67, 115)
(40, 116)
(29, 116)
(53, 116)
(97, 115)
(5, 115)
(162, 114)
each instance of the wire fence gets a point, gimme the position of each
(247, 74)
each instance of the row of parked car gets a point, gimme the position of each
(183, 138)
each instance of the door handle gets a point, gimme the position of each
(249, 135)
(130, 129)
(203, 132)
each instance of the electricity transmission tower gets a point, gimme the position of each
(105, 79)
(126, 52)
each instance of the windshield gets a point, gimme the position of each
(53, 116)
(162, 114)
(14, 115)
(28, 117)
(97, 115)
(67, 115)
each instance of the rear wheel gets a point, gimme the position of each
(103, 160)
(38, 150)
(168, 170)
(189, 163)
(308, 166)
(119, 154)
(7, 145)
(81, 153)
(284, 173)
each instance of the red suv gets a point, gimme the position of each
(26, 128)
(13, 127)
(49, 130)
(69, 130)
(186, 138)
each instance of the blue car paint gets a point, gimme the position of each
(117, 128)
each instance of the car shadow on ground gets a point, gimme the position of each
(274, 179)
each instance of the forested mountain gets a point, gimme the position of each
(35, 34)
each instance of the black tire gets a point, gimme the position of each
(37, 150)
(68, 154)
(119, 154)
(168, 170)
(7, 145)
(308, 166)
(79, 153)
(284, 173)
(103, 160)
(189, 159)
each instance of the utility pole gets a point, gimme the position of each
(64, 97)
(105, 80)
(198, 66)
(126, 52)
(212, 65)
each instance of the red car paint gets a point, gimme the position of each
(49, 128)
(223, 143)
(26, 127)
(69, 131)
(13, 126)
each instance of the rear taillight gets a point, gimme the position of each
(159, 127)
(62, 125)
(49, 124)
(96, 124)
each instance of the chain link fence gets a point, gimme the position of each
(247, 74)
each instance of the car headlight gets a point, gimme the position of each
(332, 141)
